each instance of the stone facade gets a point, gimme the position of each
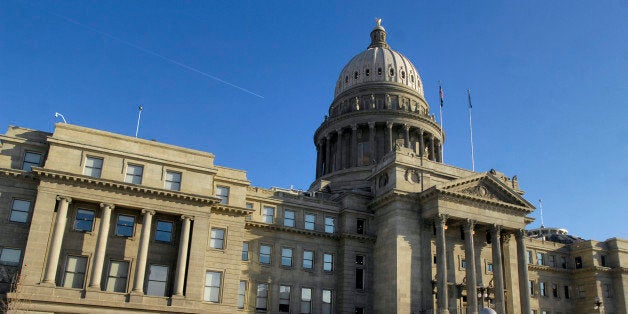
(99, 222)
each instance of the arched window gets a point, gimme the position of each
(412, 78)
(346, 78)
(379, 71)
(367, 72)
(392, 72)
(355, 75)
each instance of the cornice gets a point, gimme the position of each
(390, 196)
(45, 174)
(274, 227)
(454, 196)
(547, 268)
(231, 209)
(359, 237)
(18, 174)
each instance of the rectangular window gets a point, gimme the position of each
(360, 226)
(308, 259)
(10, 257)
(539, 258)
(268, 214)
(264, 254)
(249, 205)
(608, 292)
(306, 300)
(286, 257)
(359, 310)
(117, 276)
(84, 220)
(134, 174)
(124, 226)
(93, 167)
(31, 160)
(284, 299)
(328, 262)
(74, 274)
(245, 251)
(603, 261)
(531, 286)
(157, 280)
(489, 267)
(212, 286)
(566, 291)
(463, 263)
(555, 290)
(326, 298)
(359, 272)
(581, 292)
(163, 231)
(542, 289)
(578, 262)
(310, 220)
(529, 257)
(20, 210)
(552, 260)
(173, 181)
(563, 262)
(241, 294)
(223, 193)
(288, 218)
(217, 238)
(261, 301)
(329, 225)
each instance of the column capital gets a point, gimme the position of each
(327, 137)
(496, 228)
(406, 127)
(469, 225)
(441, 219)
(187, 217)
(148, 212)
(520, 234)
(354, 127)
(339, 131)
(64, 198)
(106, 205)
(389, 124)
(371, 125)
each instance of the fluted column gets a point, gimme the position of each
(142, 252)
(56, 240)
(389, 126)
(524, 290)
(421, 144)
(101, 245)
(432, 155)
(373, 153)
(354, 145)
(327, 154)
(498, 273)
(441, 265)
(406, 136)
(319, 158)
(469, 252)
(339, 150)
(183, 255)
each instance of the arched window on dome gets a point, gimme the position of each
(403, 74)
(356, 75)
(392, 72)
(412, 78)
(379, 71)
(367, 72)
(346, 78)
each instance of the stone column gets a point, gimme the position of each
(406, 136)
(183, 255)
(101, 245)
(524, 290)
(142, 252)
(339, 150)
(327, 154)
(441, 265)
(389, 125)
(354, 145)
(431, 155)
(498, 273)
(469, 252)
(319, 158)
(421, 144)
(56, 240)
(373, 154)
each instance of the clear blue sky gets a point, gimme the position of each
(549, 84)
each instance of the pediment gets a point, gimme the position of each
(485, 186)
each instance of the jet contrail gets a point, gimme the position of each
(150, 52)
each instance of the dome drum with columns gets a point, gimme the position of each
(378, 106)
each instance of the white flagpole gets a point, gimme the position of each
(541, 208)
(471, 130)
(139, 115)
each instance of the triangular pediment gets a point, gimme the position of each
(485, 186)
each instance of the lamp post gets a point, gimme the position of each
(482, 294)
(598, 305)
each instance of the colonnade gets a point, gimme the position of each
(56, 241)
(330, 159)
(496, 231)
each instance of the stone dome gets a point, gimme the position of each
(379, 64)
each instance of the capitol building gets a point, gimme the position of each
(96, 222)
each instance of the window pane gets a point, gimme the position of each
(125, 226)
(262, 297)
(18, 216)
(93, 167)
(157, 278)
(118, 272)
(223, 193)
(163, 231)
(268, 214)
(309, 221)
(31, 160)
(241, 294)
(217, 238)
(329, 225)
(245, 251)
(10, 257)
(84, 220)
(156, 288)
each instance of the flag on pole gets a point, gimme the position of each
(469, 94)
(442, 95)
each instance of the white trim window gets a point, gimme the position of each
(329, 225)
(328, 262)
(157, 280)
(20, 210)
(223, 193)
(31, 159)
(10, 256)
(306, 300)
(284, 299)
(310, 221)
(93, 166)
(308, 259)
(217, 238)
(212, 286)
(288, 218)
(326, 298)
(261, 299)
(117, 276)
(268, 214)
(134, 174)
(173, 181)
(74, 273)
(286, 257)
